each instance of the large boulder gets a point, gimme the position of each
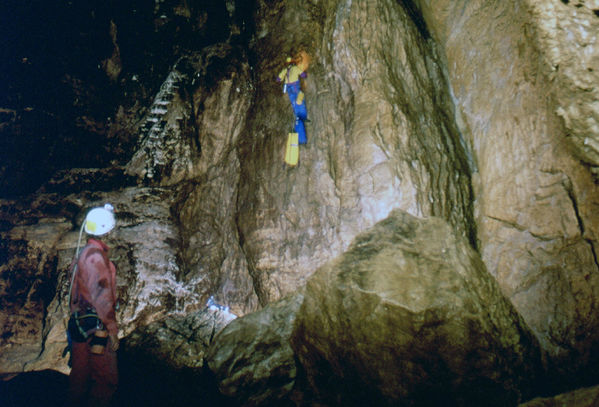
(410, 316)
(252, 359)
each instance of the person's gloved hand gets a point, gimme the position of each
(114, 342)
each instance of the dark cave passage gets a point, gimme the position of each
(142, 382)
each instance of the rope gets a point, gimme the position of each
(75, 259)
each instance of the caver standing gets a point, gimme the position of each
(93, 331)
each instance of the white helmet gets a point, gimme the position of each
(100, 221)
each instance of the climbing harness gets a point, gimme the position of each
(75, 260)
(81, 324)
(84, 324)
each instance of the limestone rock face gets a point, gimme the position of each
(381, 137)
(207, 204)
(567, 33)
(195, 118)
(188, 141)
(29, 275)
(409, 315)
(520, 74)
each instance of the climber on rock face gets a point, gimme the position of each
(290, 76)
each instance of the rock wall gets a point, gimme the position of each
(535, 195)
(381, 136)
(473, 112)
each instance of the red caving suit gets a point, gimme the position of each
(94, 377)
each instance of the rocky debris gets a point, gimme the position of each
(409, 315)
(252, 359)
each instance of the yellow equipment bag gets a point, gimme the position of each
(292, 150)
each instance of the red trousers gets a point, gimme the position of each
(94, 378)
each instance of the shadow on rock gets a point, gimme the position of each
(147, 381)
